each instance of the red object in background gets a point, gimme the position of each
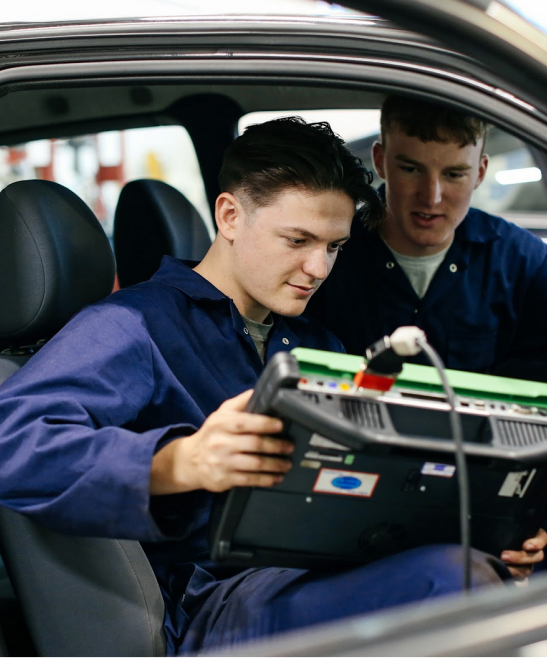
(374, 382)
(104, 173)
(16, 154)
(113, 173)
(47, 171)
(109, 173)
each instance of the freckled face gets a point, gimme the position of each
(283, 253)
(428, 189)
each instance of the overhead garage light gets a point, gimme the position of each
(518, 176)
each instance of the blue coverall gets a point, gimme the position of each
(485, 309)
(80, 423)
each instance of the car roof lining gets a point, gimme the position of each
(48, 95)
(64, 109)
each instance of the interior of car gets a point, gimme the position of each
(115, 146)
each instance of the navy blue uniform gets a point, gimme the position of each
(484, 311)
(80, 423)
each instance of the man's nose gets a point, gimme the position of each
(317, 265)
(431, 191)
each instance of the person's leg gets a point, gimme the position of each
(275, 600)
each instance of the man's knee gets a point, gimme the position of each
(447, 562)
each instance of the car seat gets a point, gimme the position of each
(153, 219)
(79, 596)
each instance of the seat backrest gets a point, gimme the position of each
(80, 596)
(54, 259)
(154, 219)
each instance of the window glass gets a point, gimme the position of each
(97, 166)
(514, 186)
(349, 124)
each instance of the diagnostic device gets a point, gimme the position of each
(374, 471)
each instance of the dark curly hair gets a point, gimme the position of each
(290, 153)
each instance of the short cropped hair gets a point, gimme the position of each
(289, 153)
(430, 122)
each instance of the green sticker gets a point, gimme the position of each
(349, 459)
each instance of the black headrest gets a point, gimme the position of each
(54, 259)
(154, 219)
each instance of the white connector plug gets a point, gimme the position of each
(404, 340)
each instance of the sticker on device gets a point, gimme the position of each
(351, 483)
(434, 469)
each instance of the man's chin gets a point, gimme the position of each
(429, 243)
(290, 309)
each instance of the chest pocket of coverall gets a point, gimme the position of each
(471, 352)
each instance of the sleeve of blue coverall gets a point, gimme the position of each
(65, 458)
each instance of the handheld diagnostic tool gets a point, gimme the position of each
(374, 472)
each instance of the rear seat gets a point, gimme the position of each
(154, 219)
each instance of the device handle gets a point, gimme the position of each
(282, 371)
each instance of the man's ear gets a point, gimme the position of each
(228, 211)
(378, 158)
(483, 165)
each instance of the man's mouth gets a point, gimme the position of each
(305, 290)
(425, 218)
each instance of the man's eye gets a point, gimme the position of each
(455, 175)
(295, 242)
(407, 168)
(335, 247)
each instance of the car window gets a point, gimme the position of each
(350, 124)
(514, 186)
(97, 166)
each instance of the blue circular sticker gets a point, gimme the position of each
(346, 483)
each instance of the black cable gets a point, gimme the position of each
(461, 464)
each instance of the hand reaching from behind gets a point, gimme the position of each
(233, 448)
(521, 563)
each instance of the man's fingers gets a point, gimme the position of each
(238, 403)
(260, 463)
(519, 572)
(538, 542)
(249, 479)
(522, 558)
(231, 415)
(245, 423)
(238, 448)
(264, 445)
(531, 553)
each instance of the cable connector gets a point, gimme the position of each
(405, 340)
(385, 358)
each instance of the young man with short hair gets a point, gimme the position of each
(127, 421)
(474, 283)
